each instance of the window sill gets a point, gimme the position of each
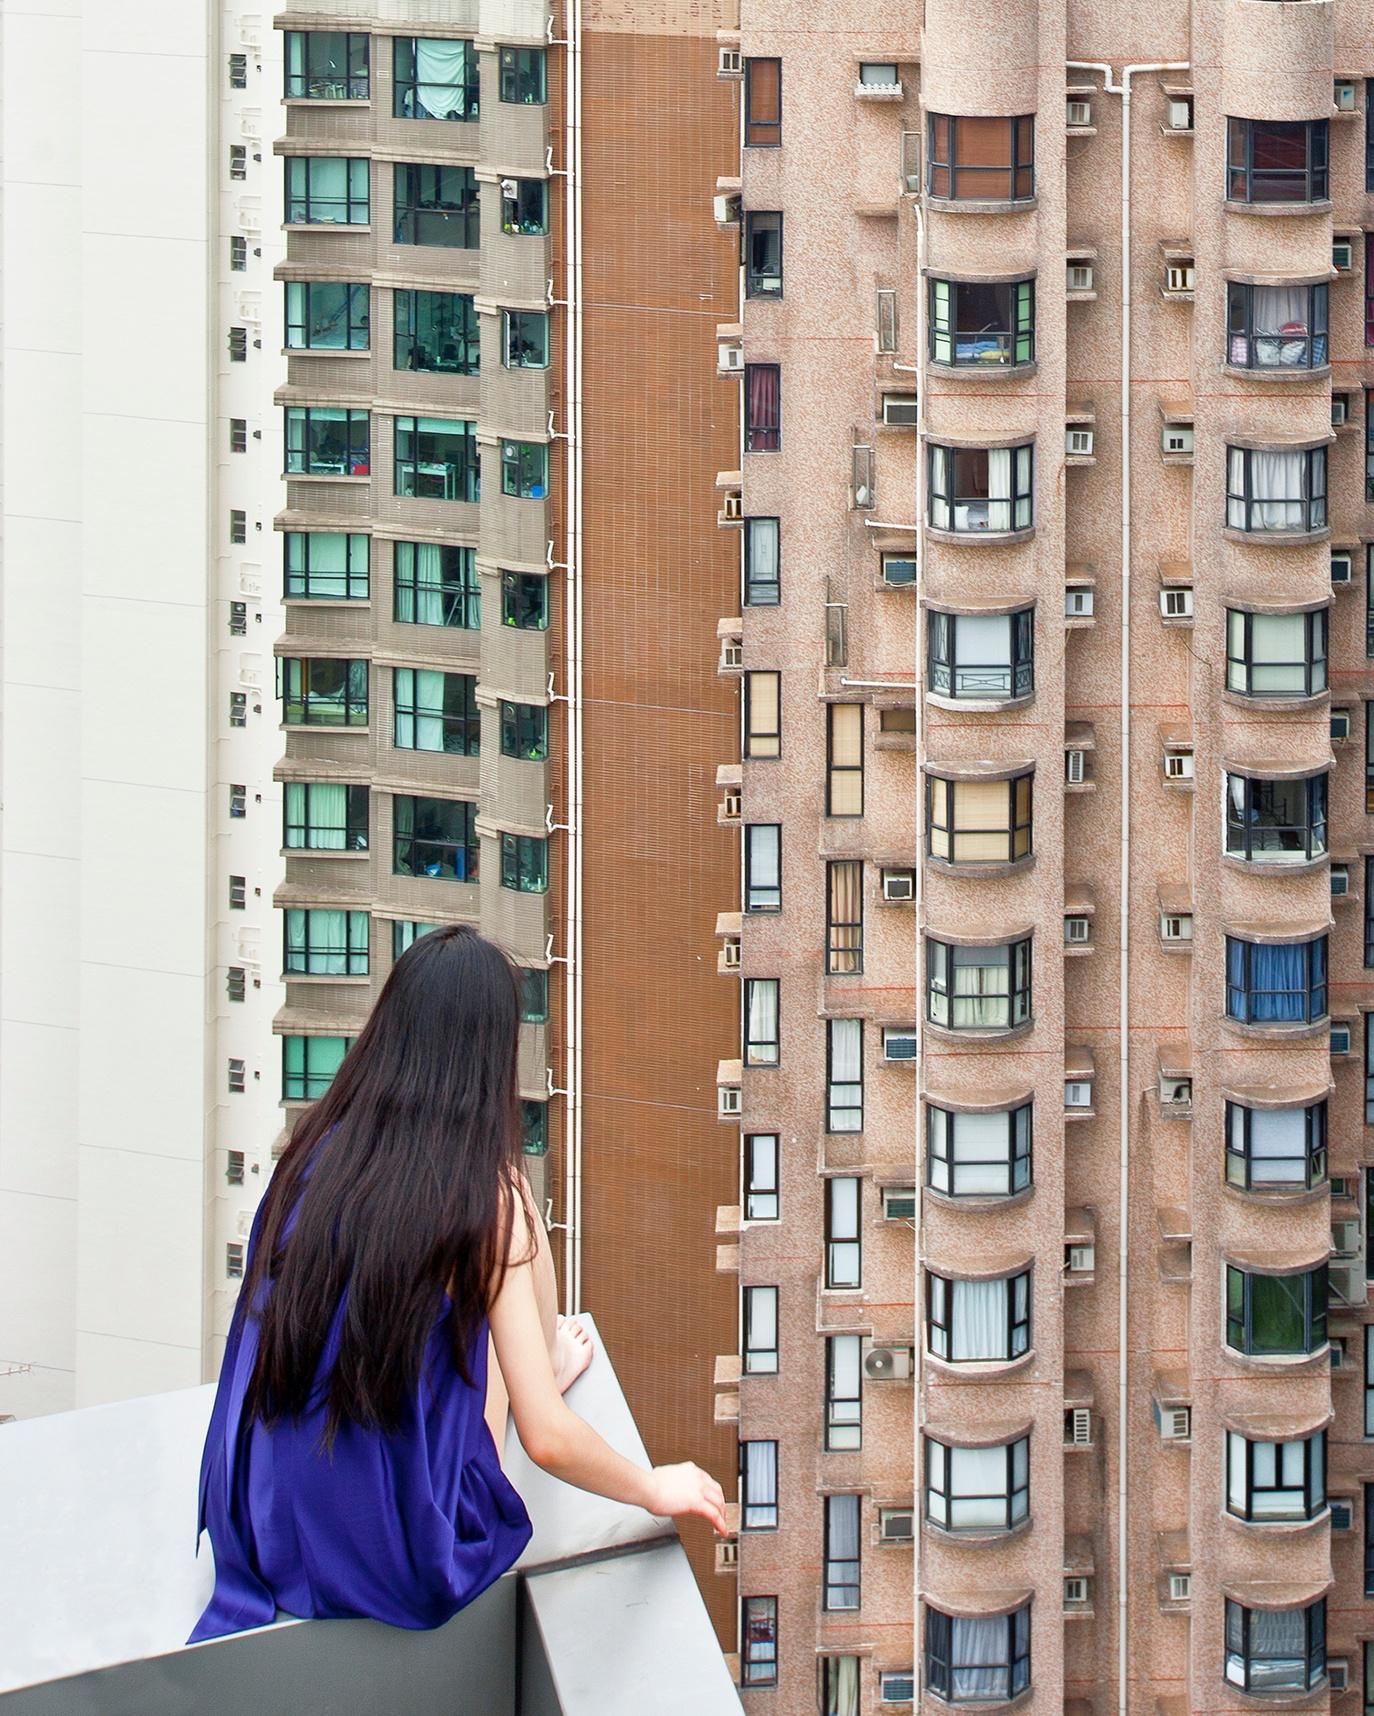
(314, 727)
(324, 352)
(982, 371)
(951, 1034)
(313, 979)
(290, 226)
(984, 870)
(1276, 372)
(1271, 211)
(979, 1370)
(977, 705)
(974, 206)
(978, 1539)
(1276, 538)
(1276, 867)
(1243, 700)
(982, 1201)
(965, 538)
(324, 477)
(1276, 1527)
(1277, 1033)
(1280, 1195)
(331, 852)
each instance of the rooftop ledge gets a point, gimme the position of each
(99, 1587)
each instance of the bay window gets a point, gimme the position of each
(980, 159)
(436, 585)
(326, 565)
(1276, 1650)
(1276, 488)
(978, 1155)
(524, 76)
(309, 1065)
(1276, 327)
(323, 692)
(977, 1489)
(524, 731)
(322, 817)
(326, 65)
(1275, 1480)
(436, 459)
(327, 190)
(1276, 821)
(323, 942)
(982, 324)
(525, 339)
(436, 712)
(978, 988)
(761, 1029)
(978, 821)
(525, 469)
(435, 206)
(434, 78)
(1277, 160)
(525, 207)
(1281, 983)
(327, 316)
(525, 863)
(1275, 1149)
(525, 601)
(975, 489)
(982, 655)
(973, 1321)
(1273, 1316)
(977, 1660)
(534, 1127)
(1276, 655)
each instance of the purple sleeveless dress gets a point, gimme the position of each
(405, 1528)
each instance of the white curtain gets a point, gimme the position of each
(1278, 652)
(429, 575)
(842, 1546)
(1278, 1144)
(760, 1483)
(761, 1034)
(846, 1075)
(982, 654)
(999, 488)
(1235, 487)
(940, 459)
(842, 1686)
(1280, 325)
(761, 1329)
(763, 551)
(440, 70)
(979, 1319)
(429, 709)
(765, 862)
(328, 816)
(981, 1153)
(977, 1487)
(977, 1644)
(980, 988)
(1276, 486)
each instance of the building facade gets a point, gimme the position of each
(1052, 367)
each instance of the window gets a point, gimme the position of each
(326, 943)
(436, 459)
(238, 708)
(758, 1486)
(238, 71)
(436, 712)
(978, 1155)
(977, 489)
(762, 714)
(758, 1636)
(762, 103)
(405, 932)
(840, 1582)
(760, 1331)
(978, 988)
(327, 190)
(1369, 301)
(238, 345)
(1275, 822)
(839, 1685)
(327, 441)
(763, 867)
(1369, 1540)
(1368, 911)
(982, 655)
(761, 578)
(761, 1194)
(524, 731)
(1369, 1379)
(238, 893)
(525, 863)
(1276, 161)
(1276, 655)
(534, 995)
(238, 164)
(525, 601)
(761, 1029)
(980, 160)
(435, 837)
(322, 817)
(436, 206)
(979, 1659)
(317, 692)
(534, 1127)
(326, 65)
(977, 1489)
(762, 407)
(236, 988)
(977, 821)
(436, 331)
(763, 254)
(326, 315)
(844, 917)
(524, 207)
(1369, 1077)
(238, 527)
(1276, 1650)
(1275, 1480)
(238, 434)
(524, 339)
(843, 1393)
(843, 1233)
(525, 469)
(326, 565)
(1276, 984)
(434, 79)
(234, 1167)
(436, 586)
(982, 323)
(308, 1065)
(1276, 327)
(234, 1251)
(973, 1321)
(524, 78)
(844, 750)
(1273, 1315)
(238, 253)
(238, 800)
(844, 1075)
(1275, 490)
(1275, 1149)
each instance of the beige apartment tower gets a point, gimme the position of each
(1054, 944)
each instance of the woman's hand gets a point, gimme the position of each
(687, 1489)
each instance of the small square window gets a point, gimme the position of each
(238, 253)
(878, 74)
(238, 526)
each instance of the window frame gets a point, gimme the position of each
(1315, 667)
(1312, 1484)
(303, 205)
(851, 1107)
(762, 282)
(940, 1315)
(942, 158)
(1014, 1663)
(760, 1051)
(844, 1235)
(461, 472)
(524, 730)
(1314, 176)
(534, 994)
(1239, 1149)
(513, 76)
(1238, 832)
(752, 585)
(409, 307)
(758, 1641)
(844, 935)
(755, 740)
(942, 996)
(943, 1163)
(300, 1084)
(356, 585)
(313, 956)
(1239, 1331)
(841, 1576)
(947, 468)
(945, 669)
(940, 1496)
(762, 1178)
(525, 601)
(465, 851)
(1245, 348)
(299, 315)
(304, 433)
(462, 724)
(762, 896)
(762, 433)
(767, 1503)
(843, 1412)
(524, 469)
(1020, 819)
(844, 759)
(355, 834)
(423, 200)
(304, 707)
(757, 1356)
(1015, 342)
(524, 863)
(516, 344)
(305, 75)
(407, 81)
(1243, 506)
(517, 217)
(460, 598)
(762, 105)
(1245, 1656)
(1240, 984)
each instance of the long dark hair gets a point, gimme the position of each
(412, 1191)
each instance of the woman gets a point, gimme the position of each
(351, 1465)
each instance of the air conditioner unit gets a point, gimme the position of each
(1179, 277)
(731, 359)
(1342, 1516)
(1077, 931)
(1080, 277)
(1178, 765)
(898, 1045)
(1079, 1259)
(730, 805)
(730, 951)
(1342, 566)
(1343, 95)
(1340, 409)
(1078, 603)
(1075, 767)
(899, 410)
(1338, 1356)
(896, 1525)
(1078, 1427)
(1340, 881)
(887, 1364)
(1078, 1093)
(1078, 442)
(897, 1687)
(1337, 1673)
(899, 1203)
(728, 1101)
(1180, 1587)
(1340, 723)
(1176, 438)
(1175, 1422)
(1075, 1591)
(1176, 1092)
(1180, 113)
(1340, 1039)
(1342, 1186)
(1347, 1282)
(899, 885)
(1343, 254)
(729, 62)
(1078, 113)
(1175, 926)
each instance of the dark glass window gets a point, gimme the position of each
(324, 942)
(320, 816)
(534, 995)
(982, 324)
(319, 691)
(762, 103)
(978, 489)
(436, 459)
(1369, 925)
(1269, 1316)
(763, 254)
(978, 988)
(525, 339)
(762, 587)
(1276, 1650)
(844, 917)
(525, 469)
(969, 1322)
(758, 1486)
(762, 407)
(524, 76)
(840, 1580)
(763, 867)
(980, 160)
(1276, 488)
(326, 316)
(436, 712)
(978, 822)
(1276, 655)
(326, 65)
(978, 1660)
(436, 837)
(436, 586)
(326, 190)
(1276, 327)
(977, 1489)
(1275, 1149)
(525, 206)
(327, 565)
(758, 1637)
(327, 441)
(434, 79)
(524, 863)
(524, 731)
(436, 331)
(1276, 822)
(534, 1127)
(978, 1155)
(1369, 287)
(1369, 444)
(405, 932)
(1276, 161)
(1275, 1480)
(308, 1065)
(1276, 984)
(524, 601)
(982, 655)
(436, 206)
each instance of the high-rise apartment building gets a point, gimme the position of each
(1054, 943)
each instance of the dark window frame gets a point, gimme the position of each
(525, 601)
(759, 1359)
(844, 1237)
(1314, 665)
(940, 1319)
(762, 592)
(462, 852)
(1313, 178)
(1020, 820)
(1240, 1650)
(1243, 506)
(850, 1106)
(762, 1181)
(844, 935)
(762, 413)
(523, 76)
(1241, 1160)
(525, 863)
(1013, 1664)
(941, 1498)
(1312, 1484)
(459, 718)
(941, 995)
(1307, 1293)
(525, 470)
(761, 896)
(524, 731)
(406, 83)
(756, 1050)
(762, 103)
(413, 350)
(459, 472)
(835, 772)
(430, 202)
(302, 706)
(534, 994)
(308, 428)
(301, 318)
(1012, 342)
(301, 1084)
(305, 203)
(950, 469)
(355, 78)
(350, 584)
(459, 590)
(763, 260)
(757, 1512)
(354, 835)
(518, 349)
(758, 1638)
(526, 214)
(943, 1162)
(946, 174)
(841, 1576)
(1255, 815)
(1246, 349)
(844, 1413)
(1241, 991)
(305, 961)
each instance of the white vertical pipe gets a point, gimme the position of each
(575, 58)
